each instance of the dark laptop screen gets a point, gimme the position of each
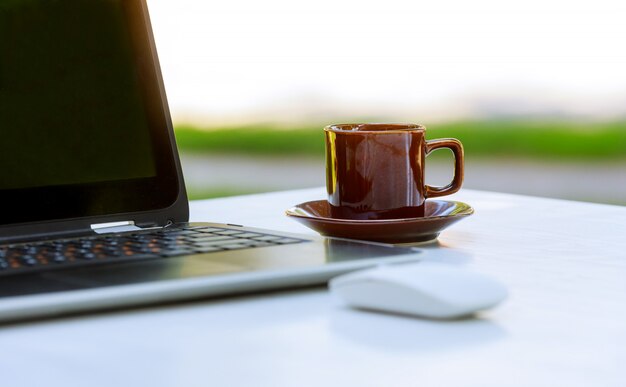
(81, 114)
(70, 100)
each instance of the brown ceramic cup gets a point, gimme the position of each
(376, 171)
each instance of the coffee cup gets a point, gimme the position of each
(376, 171)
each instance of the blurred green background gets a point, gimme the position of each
(485, 139)
(555, 158)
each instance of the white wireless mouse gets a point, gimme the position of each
(421, 289)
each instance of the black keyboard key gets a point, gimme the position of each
(217, 242)
(212, 238)
(58, 259)
(200, 235)
(30, 250)
(235, 246)
(228, 232)
(249, 235)
(29, 261)
(185, 232)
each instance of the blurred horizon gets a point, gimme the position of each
(242, 61)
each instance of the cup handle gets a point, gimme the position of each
(457, 149)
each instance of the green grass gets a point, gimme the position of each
(220, 192)
(534, 139)
(256, 140)
(539, 139)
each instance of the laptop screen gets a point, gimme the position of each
(83, 123)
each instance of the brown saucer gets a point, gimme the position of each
(439, 215)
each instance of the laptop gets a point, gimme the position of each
(94, 213)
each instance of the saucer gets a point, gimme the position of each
(439, 214)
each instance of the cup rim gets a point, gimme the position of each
(394, 127)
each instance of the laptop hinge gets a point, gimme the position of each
(115, 227)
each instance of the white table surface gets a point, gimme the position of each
(564, 324)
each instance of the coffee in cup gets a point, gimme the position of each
(376, 171)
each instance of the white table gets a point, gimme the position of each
(564, 324)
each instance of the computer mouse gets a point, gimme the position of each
(423, 289)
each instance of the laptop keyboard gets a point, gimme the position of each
(163, 243)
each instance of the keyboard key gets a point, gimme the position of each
(185, 232)
(235, 246)
(29, 261)
(228, 232)
(249, 235)
(200, 235)
(30, 250)
(220, 242)
(58, 259)
(212, 238)
(88, 256)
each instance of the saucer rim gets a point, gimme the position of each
(470, 211)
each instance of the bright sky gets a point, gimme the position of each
(240, 58)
